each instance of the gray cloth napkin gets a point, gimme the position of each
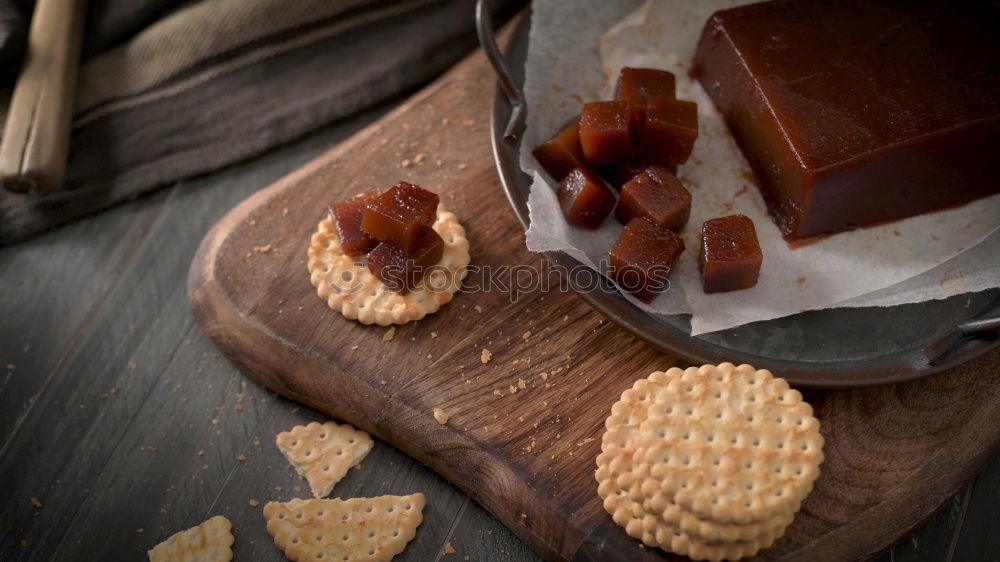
(215, 82)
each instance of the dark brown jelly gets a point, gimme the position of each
(346, 217)
(584, 198)
(400, 273)
(857, 112)
(642, 257)
(668, 132)
(562, 153)
(617, 175)
(638, 85)
(656, 195)
(730, 254)
(399, 216)
(608, 130)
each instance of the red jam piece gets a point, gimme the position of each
(346, 217)
(730, 254)
(584, 198)
(400, 273)
(639, 85)
(397, 217)
(642, 257)
(562, 153)
(607, 132)
(656, 195)
(669, 131)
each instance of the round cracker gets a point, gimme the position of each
(619, 484)
(729, 444)
(614, 464)
(347, 286)
(685, 544)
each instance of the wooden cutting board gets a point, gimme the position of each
(893, 453)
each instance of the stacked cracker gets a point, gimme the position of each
(711, 462)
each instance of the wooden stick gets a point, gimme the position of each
(36, 138)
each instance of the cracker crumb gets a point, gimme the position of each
(441, 416)
(201, 452)
(513, 389)
(254, 503)
(389, 334)
(238, 407)
(434, 335)
(545, 376)
(419, 158)
(463, 166)
(24, 544)
(477, 308)
(497, 393)
(485, 356)
(264, 249)
(241, 457)
(522, 384)
(36, 503)
(448, 549)
(151, 448)
(406, 163)
(526, 335)
(354, 347)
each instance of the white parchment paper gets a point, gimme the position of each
(575, 52)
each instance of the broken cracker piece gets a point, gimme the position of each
(212, 540)
(356, 529)
(323, 453)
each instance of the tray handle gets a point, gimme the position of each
(518, 113)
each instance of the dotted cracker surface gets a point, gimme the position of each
(619, 487)
(347, 286)
(647, 513)
(341, 530)
(211, 541)
(323, 453)
(729, 444)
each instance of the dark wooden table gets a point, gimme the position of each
(122, 424)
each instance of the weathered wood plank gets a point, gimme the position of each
(478, 535)
(95, 397)
(51, 286)
(978, 539)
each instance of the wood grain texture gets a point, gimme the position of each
(894, 453)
